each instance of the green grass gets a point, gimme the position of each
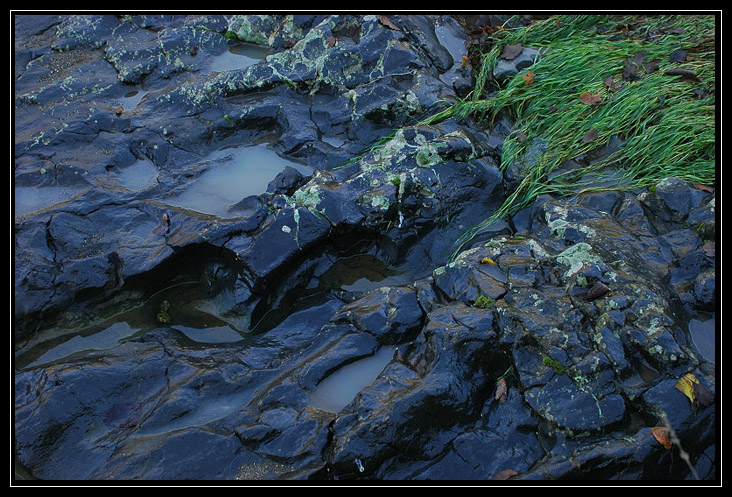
(667, 128)
(665, 122)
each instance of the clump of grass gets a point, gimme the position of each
(666, 122)
(557, 366)
(483, 302)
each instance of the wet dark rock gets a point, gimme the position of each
(508, 68)
(392, 315)
(581, 305)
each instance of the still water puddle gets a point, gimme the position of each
(196, 319)
(138, 176)
(239, 57)
(108, 338)
(235, 173)
(130, 100)
(361, 273)
(338, 390)
(29, 199)
(703, 334)
(206, 411)
(357, 274)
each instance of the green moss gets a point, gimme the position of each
(483, 302)
(396, 181)
(554, 364)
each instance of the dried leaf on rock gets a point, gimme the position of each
(589, 136)
(501, 390)
(387, 22)
(661, 434)
(697, 393)
(598, 290)
(510, 52)
(588, 98)
(686, 385)
(505, 474)
(528, 77)
(704, 397)
(705, 188)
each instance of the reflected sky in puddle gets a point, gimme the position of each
(130, 100)
(138, 176)
(105, 339)
(703, 334)
(361, 273)
(206, 411)
(238, 57)
(337, 390)
(29, 199)
(235, 173)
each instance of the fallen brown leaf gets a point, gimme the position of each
(598, 289)
(589, 136)
(704, 396)
(661, 434)
(505, 474)
(510, 52)
(588, 98)
(705, 188)
(501, 390)
(528, 77)
(387, 22)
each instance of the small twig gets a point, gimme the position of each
(684, 455)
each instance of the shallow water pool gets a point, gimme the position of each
(235, 173)
(337, 390)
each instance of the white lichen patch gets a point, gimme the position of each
(307, 197)
(537, 249)
(378, 201)
(556, 219)
(576, 256)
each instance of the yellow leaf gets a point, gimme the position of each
(488, 260)
(686, 386)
